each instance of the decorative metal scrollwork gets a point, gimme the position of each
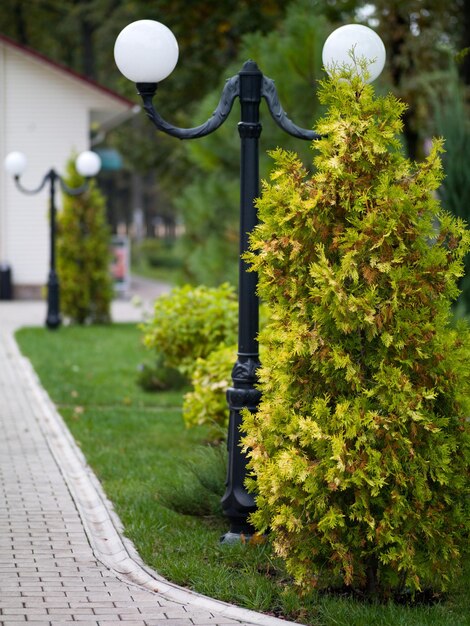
(52, 176)
(230, 92)
(269, 93)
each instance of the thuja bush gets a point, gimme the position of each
(360, 447)
(190, 322)
(83, 254)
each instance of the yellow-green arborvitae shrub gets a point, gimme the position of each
(360, 448)
(83, 254)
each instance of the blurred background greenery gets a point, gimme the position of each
(179, 200)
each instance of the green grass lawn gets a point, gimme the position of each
(149, 464)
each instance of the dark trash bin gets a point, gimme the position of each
(6, 292)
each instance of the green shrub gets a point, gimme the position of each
(212, 376)
(83, 254)
(360, 447)
(207, 403)
(190, 322)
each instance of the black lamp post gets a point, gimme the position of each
(88, 164)
(250, 86)
(131, 52)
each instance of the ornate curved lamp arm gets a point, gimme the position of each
(230, 92)
(269, 93)
(73, 191)
(32, 192)
(52, 176)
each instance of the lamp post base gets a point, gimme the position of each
(237, 502)
(243, 536)
(53, 321)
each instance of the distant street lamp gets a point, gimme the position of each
(87, 164)
(146, 52)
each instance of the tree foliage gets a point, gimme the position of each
(417, 36)
(450, 119)
(81, 34)
(83, 254)
(209, 203)
(360, 448)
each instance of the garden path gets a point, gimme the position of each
(63, 557)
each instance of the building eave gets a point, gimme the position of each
(38, 56)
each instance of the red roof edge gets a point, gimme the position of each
(58, 66)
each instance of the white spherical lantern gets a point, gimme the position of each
(88, 163)
(15, 163)
(146, 51)
(359, 40)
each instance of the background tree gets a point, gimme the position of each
(209, 204)
(451, 120)
(417, 37)
(428, 46)
(81, 34)
(83, 254)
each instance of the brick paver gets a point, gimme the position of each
(56, 566)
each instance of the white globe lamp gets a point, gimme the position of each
(359, 40)
(146, 51)
(88, 164)
(15, 163)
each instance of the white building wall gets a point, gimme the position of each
(3, 216)
(45, 113)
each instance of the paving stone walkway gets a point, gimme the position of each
(63, 558)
